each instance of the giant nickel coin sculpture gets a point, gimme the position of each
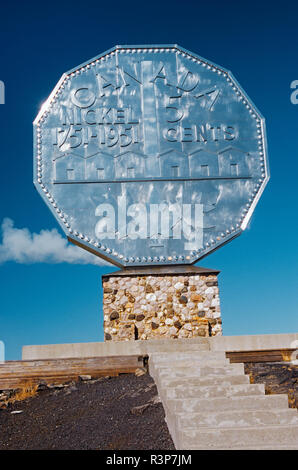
(150, 155)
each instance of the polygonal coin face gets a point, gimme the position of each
(150, 155)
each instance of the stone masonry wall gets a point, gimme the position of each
(148, 307)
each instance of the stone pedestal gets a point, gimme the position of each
(159, 302)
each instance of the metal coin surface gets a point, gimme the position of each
(150, 155)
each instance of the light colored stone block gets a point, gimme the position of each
(190, 298)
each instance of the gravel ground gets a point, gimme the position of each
(98, 415)
(117, 413)
(278, 377)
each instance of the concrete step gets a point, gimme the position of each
(199, 371)
(246, 418)
(257, 402)
(173, 357)
(194, 362)
(203, 381)
(270, 447)
(210, 404)
(240, 437)
(173, 346)
(212, 391)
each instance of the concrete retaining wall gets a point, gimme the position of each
(114, 348)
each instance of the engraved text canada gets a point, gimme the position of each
(150, 155)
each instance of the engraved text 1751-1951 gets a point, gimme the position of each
(150, 155)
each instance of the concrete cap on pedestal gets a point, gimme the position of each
(162, 271)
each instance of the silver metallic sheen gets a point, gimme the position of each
(150, 155)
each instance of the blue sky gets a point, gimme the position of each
(44, 302)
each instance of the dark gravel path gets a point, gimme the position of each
(278, 377)
(89, 416)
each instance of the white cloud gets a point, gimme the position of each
(48, 246)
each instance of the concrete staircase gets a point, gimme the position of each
(210, 403)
